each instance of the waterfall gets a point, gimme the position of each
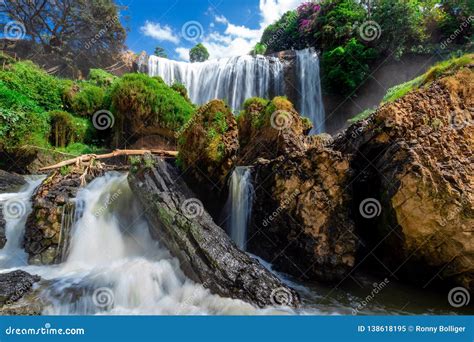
(115, 267)
(16, 207)
(236, 79)
(232, 79)
(310, 102)
(240, 204)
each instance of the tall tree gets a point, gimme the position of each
(198, 53)
(82, 32)
(160, 52)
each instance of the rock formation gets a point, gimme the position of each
(14, 286)
(413, 161)
(206, 253)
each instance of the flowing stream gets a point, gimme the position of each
(239, 204)
(236, 79)
(113, 266)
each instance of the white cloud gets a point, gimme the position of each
(158, 32)
(239, 40)
(272, 10)
(183, 53)
(221, 19)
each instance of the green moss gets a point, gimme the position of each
(101, 78)
(67, 129)
(77, 149)
(138, 97)
(84, 98)
(436, 71)
(29, 80)
(362, 115)
(22, 122)
(181, 89)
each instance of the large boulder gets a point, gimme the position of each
(300, 219)
(206, 254)
(207, 150)
(10, 182)
(45, 236)
(268, 129)
(413, 181)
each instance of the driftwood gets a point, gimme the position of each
(116, 153)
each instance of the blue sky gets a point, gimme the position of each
(226, 27)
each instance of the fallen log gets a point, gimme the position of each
(206, 253)
(116, 153)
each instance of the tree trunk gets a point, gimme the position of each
(207, 255)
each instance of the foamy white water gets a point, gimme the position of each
(115, 267)
(16, 207)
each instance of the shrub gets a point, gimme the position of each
(84, 98)
(345, 67)
(28, 79)
(101, 78)
(181, 89)
(22, 122)
(67, 129)
(141, 100)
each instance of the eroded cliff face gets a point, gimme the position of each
(300, 221)
(414, 157)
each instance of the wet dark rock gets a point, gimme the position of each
(15, 285)
(10, 182)
(3, 237)
(207, 255)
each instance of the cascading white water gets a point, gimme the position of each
(232, 79)
(310, 102)
(236, 79)
(115, 267)
(239, 204)
(16, 207)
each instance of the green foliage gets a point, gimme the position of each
(160, 52)
(198, 53)
(401, 23)
(67, 129)
(346, 66)
(433, 73)
(143, 100)
(283, 34)
(84, 98)
(28, 79)
(181, 89)
(335, 24)
(101, 78)
(362, 115)
(259, 49)
(22, 122)
(77, 149)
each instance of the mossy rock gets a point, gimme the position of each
(210, 142)
(144, 105)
